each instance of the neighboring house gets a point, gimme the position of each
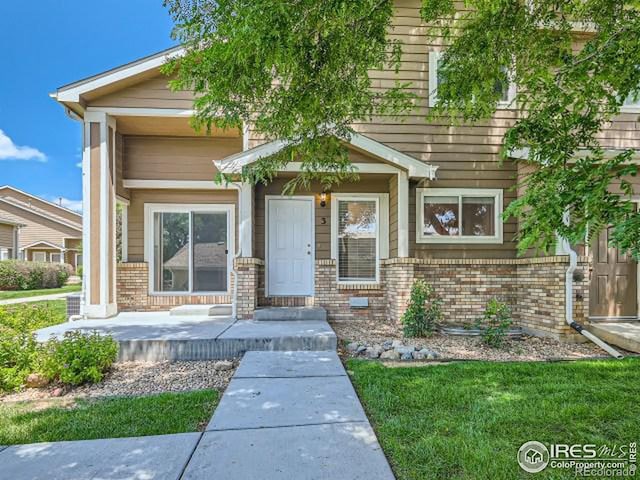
(427, 205)
(47, 232)
(9, 238)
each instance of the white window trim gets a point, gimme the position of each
(151, 208)
(59, 259)
(4, 254)
(33, 256)
(421, 193)
(382, 241)
(434, 57)
(630, 107)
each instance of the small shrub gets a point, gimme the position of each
(18, 347)
(424, 311)
(495, 323)
(20, 275)
(78, 357)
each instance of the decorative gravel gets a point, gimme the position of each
(374, 335)
(142, 378)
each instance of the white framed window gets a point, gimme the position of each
(189, 248)
(5, 253)
(78, 260)
(459, 215)
(56, 257)
(631, 104)
(39, 256)
(359, 236)
(507, 92)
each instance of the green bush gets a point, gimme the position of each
(495, 323)
(78, 357)
(20, 275)
(424, 311)
(19, 350)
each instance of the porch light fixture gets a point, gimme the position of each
(323, 199)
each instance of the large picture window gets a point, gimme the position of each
(189, 248)
(459, 215)
(360, 223)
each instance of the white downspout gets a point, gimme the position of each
(568, 297)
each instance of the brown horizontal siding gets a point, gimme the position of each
(41, 204)
(140, 197)
(37, 228)
(167, 158)
(6, 235)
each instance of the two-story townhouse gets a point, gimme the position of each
(47, 232)
(428, 204)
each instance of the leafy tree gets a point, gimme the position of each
(297, 70)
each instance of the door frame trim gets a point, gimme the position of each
(311, 199)
(635, 199)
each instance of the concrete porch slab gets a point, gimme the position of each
(252, 403)
(161, 457)
(270, 314)
(345, 451)
(621, 334)
(160, 336)
(201, 310)
(290, 364)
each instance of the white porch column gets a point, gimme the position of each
(98, 238)
(246, 220)
(403, 214)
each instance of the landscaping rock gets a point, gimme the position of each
(374, 352)
(418, 355)
(353, 347)
(405, 350)
(361, 349)
(388, 345)
(57, 392)
(397, 343)
(406, 356)
(223, 365)
(35, 380)
(389, 355)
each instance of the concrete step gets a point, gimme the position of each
(201, 310)
(280, 314)
(621, 334)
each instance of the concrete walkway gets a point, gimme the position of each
(284, 415)
(38, 298)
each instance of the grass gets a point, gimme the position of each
(57, 310)
(467, 420)
(13, 294)
(28, 422)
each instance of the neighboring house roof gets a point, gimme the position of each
(55, 205)
(45, 243)
(415, 167)
(205, 254)
(41, 213)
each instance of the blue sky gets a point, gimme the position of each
(49, 43)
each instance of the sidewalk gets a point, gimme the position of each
(284, 415)
(39, 298)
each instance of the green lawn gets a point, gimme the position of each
(10, 295)
(467, 420)
(106, 418)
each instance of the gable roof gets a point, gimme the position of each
(72, 92)
(9, 187)
(6, 221)
(414, 167)
(46, 244)
(41, 213)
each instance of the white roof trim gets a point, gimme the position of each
(43, 242)
(27, 209)
(414, 167)
(523, 153)
(72, 92)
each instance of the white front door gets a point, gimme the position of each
(290, 246)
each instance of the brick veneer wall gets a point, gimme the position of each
(132, 292)
(248, 271)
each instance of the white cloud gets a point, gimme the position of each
(75, 205)
(11, 151)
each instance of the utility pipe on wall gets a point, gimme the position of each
(568, 302)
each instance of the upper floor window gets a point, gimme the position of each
(631, 103)
(507, 91)
(459, 215)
